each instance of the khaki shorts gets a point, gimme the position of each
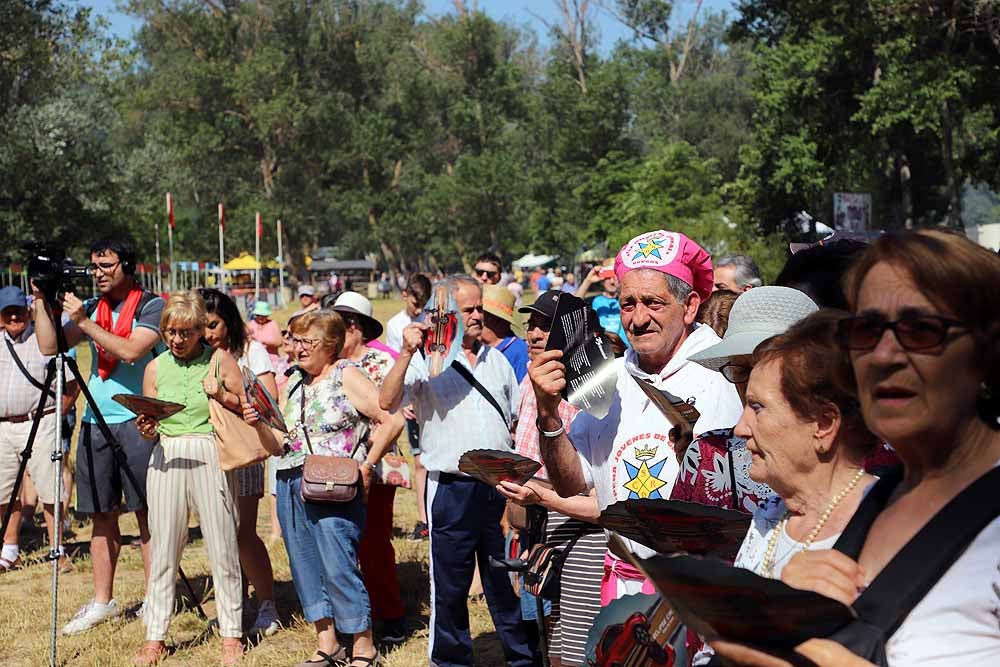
(13, 440)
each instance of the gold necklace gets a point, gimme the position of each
(767, 567)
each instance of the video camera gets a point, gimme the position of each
(52, 272)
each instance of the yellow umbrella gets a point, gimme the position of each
(245, 262)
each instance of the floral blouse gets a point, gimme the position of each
(335, 427)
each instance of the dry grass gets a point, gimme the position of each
(24, 634)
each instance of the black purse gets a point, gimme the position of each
(544, 567)
(918, 566)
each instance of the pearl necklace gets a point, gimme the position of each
(767, 567)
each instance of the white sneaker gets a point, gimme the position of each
(91, 614)
(267, 620)
(141, 611)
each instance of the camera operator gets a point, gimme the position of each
(22, 375)
(123, 327)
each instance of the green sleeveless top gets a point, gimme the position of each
(180, 381)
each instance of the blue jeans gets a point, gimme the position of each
(322, 544)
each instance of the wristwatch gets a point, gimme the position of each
(369, 464)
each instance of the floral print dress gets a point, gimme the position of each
(335, 427)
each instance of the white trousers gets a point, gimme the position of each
(184, 475)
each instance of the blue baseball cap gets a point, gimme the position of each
(12, 296)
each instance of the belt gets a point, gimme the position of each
(20, 419)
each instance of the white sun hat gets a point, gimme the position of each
(757, 315)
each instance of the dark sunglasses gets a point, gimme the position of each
(916, 332)
(487, 272)
(735, 373)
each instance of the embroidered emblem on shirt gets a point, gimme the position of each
(643, 480)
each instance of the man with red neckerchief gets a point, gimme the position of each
(123, 327)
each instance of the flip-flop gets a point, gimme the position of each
(337, 659)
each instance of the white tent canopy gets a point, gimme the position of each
(530, 261)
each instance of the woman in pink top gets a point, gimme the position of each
(265, 330)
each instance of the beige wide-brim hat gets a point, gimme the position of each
(499, 302)
(757, 315)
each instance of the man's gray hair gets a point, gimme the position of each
(746, 271)
(455, 280)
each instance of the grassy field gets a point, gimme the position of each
(24, 634)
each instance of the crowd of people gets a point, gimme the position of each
(851, 409)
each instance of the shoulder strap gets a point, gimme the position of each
(146, 297)
(24, 371)
(922, 562)
(471, 379)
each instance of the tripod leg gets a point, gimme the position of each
(50, 375)
(122, 457)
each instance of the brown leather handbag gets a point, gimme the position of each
(326, 479)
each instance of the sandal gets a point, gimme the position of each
(8, 565)
(361, 661)
(336, 659)
(150, 654)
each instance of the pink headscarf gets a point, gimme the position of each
(671, 253)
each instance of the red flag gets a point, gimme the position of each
(170, 210)
(222, 217)
(260, 225)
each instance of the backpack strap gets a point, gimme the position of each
(922, 561)
(147, 296)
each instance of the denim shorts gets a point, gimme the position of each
(322, 544)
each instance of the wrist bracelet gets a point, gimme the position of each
(549, 434)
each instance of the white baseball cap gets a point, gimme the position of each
(757, 315)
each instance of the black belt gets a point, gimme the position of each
(20, 419)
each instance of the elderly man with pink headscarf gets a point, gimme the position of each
(664, 277)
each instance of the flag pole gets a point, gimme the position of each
(159, 266)
(281, 268)
(222, 254)
(170, 242)
(256, 288)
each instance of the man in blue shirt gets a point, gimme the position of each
(123, 326)
(605, 304)
(498, 316)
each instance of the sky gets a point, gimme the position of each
(519, 12)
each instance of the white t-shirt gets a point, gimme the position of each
(394, 329)
(958, 621)
(256, 359)
(627, 454)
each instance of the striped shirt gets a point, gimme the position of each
(526, 435)
(18, 397)
(453, 416)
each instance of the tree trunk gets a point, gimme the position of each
(952, 181)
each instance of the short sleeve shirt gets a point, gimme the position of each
(126, 378)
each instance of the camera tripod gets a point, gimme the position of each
(55, 372)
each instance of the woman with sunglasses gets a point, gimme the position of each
(184, 475)
(326, 410)
(714, 468)
(922, 350)
(226, 330)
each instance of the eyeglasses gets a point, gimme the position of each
(306, 344)
(489, 273)
(915, 332)
(183, 334)
(735, 373)
(104, 267)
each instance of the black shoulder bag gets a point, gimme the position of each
(471, 379)
(918, 566)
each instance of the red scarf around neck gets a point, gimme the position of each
(123, 328)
